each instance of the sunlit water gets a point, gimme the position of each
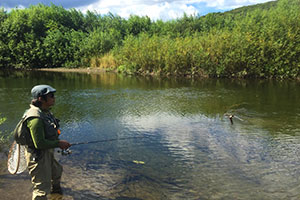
(181, 143)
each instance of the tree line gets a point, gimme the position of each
(254, 41)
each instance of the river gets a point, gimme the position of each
(180, 142)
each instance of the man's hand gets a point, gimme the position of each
(63, 144)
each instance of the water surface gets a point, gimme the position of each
(184, 146)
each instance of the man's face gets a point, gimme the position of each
(50, 101)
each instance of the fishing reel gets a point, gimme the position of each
(65, 152)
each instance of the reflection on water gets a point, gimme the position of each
(186, 146)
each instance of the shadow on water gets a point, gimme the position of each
(77, 195)
(187, 147)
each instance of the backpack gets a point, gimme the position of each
(21, 133)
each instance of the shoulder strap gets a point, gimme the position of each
(21, 133)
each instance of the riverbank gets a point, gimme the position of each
(96, 70)
(79, 70)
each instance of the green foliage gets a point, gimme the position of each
(254, 41)
(3, 15)
(160, 55)
(27, 34)
(99, 42)
(56, 44)
(136, 25)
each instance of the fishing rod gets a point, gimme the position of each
(68, 151)
(108, 140)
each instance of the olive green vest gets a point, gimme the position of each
(50, 122)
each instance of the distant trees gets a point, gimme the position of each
(254, 41)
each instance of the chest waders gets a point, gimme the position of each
(45, 171)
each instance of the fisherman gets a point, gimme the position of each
(44, 169)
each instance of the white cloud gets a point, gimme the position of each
(155, 9)
(231, 4)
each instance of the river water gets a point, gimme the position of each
(180, 142)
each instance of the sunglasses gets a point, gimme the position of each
(51, 95)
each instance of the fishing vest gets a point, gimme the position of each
(51, 125)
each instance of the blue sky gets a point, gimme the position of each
(155, 9)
